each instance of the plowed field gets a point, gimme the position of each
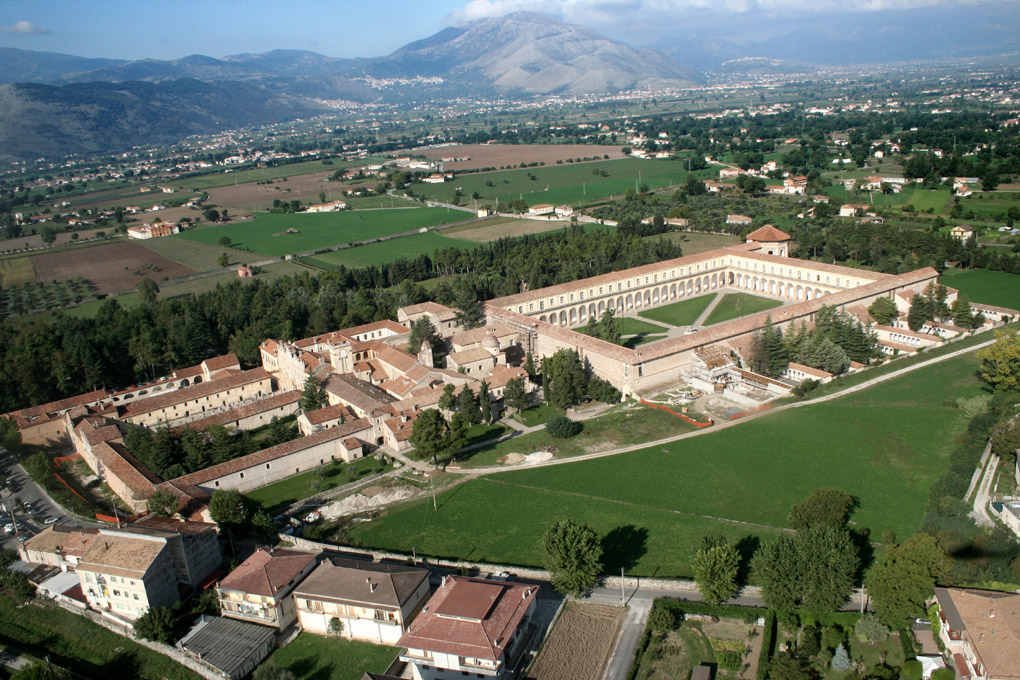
(579, 644)
(110, 268)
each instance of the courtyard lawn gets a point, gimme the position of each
(631, 326)
(734, 305)
(267, 232)
(642, 339)
(537, 415)
(276, 497)
(560, 184)
(85, 648)
(314, 657)
(998, 289)
(407, 247)
(682, 313)
(885, 445)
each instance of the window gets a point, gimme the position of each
(267, 466)
(241, 475)
(216, 483)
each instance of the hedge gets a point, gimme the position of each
(768, 645)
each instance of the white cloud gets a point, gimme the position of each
(609, 11)
(26, 28)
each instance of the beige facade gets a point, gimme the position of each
(195, 402)
(126, 576)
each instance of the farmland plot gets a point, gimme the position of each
(579, 644)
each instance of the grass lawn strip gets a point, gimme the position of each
(734, 305)
(736, 480)
(683, 313)
(87, 649)
(314, 657)
(279, 495)
(407, 247)
(998, 289)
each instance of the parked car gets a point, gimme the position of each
(51, 520)
(8, 528)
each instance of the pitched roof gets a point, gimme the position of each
(226, 644)
(118, 461)
(365, 396)
(768, 233)
(193, 392)
(470, 356)
(362, 582)
(268, 572)
(992, 624)
(278, 400)
(470, 617)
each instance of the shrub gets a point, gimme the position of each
(912, 670)
(729, 660)
(870, 629)
(562, 427)
(661, 619)
(768, 645)
(943, 674)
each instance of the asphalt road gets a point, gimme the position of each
(20, 486)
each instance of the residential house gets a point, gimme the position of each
(374, 602)
(738, 219)
(981, 629)
(58, 546)
(542, 209)
(125, 575)
(962, 232)
(470, 628)
(261, 589)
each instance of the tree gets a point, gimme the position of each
(515, 397)
(920, 311)
(468, 406)
(566, 379)
(715, 565)
(870, 629)
(226, 506)
(270, 671)
(224, 241)
(158, 624)
(963, 314)
(828, 562)
(485, 401)
(826, 506)
(883, 309)
(1000, 363)
(40, 670)
(562, 427)
(48, 235)
(467, 310)
(787, 666)
(313, 396)
(573, 555)
(661, 619)
(776, 569)
(529, 365)
(423, 331)
(905, 579)
(10, 435)
(427, 435)
(841, 659)
(448, 400)
(211, 214)
(335, 627)
(147, 290)
(223, 260)
(162, 503)
(263, 525)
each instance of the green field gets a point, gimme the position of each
(278, 496)
(995, 204)
(630, 326)
(735, 305)
(922, 199)
(740, 481)
(387, 251)
(87, 649)
(682, 313)
(15, 271)
(695, 243)
(194, 254)
(559, 184)
(998, 289)
(314, 657)
(222, 178)
(267, 232)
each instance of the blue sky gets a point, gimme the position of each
(168, 29)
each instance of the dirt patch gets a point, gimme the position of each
(110, 268)
(372, 497)
(579, 643)
(253, 195)
(511, 459)
(495, 155)
(497, 228)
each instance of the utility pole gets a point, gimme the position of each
(623, 595)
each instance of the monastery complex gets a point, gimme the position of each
(376, 385)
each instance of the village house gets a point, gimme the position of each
(738, 219)
(155, 230)
(470, 627)
(374, 602)
(981, 630)
(125, 575)
(331, 206)
(962, 231)
(261, 589)
(541, 209)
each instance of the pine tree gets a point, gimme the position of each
(485, 401)
(841, 660)
(963, 314)
(468, 406)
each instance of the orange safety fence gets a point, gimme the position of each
(61, 480)
(757, 409)
(693, 422)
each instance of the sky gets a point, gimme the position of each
(169, 29)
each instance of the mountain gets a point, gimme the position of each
(20, 66)
(43, 120)
(529, 52)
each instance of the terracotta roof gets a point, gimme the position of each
(500, 375)
(121, 556)
(476, 335)
(361, 582)
(993, 308)
(55, 409)
(398, 359)
(359, 393)
(328, 413)
(385, 324)
(278, 400)
(469, 356)
(202, 389)
(221, 362)
(991, 623)
(119, 462)
(907, 332)
(273, 453)
(816, 372)
(171, 525)
(768, 233)
(470, 617)
(442, 312)
(268, 572)
(68, 541)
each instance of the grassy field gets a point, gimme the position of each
(494, 228)
(219, 179)
(194, 254)
(991, 204)
(734, 305)
(980, 285)
(313, 657)
(630, 326)
(278, 496)
(15, 271)
(85, 648)
(560, 184)
(740, 481)
(387, 251)
(694, 244)
(267, 232)
(923, 200)
(682, 313)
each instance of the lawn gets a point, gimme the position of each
(15, 271)
(998, 289)
(683, 313)
(694, 243)
(885, 445)
(922, 199)
(267, 232)
(276, 497)
(407, 247)
(734, 305)
(87, 649)
(313, 657)
(642, 339)
(631, 326)
(536, 415)
(560, 184)
(194, 254)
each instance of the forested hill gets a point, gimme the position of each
(63, 356)
(99, 117)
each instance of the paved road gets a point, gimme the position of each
(984, 492)
(21, 487)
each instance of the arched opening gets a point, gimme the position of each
(809, 294)
(563, 318)
(573, 317)
(647, 299)
(630, 301)
(800, 293)
(655, 296)
(543, 319)
(818, 293)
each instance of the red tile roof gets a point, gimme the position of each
(269, 572)
(768, 233)
(194, 392)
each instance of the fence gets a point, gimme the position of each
(692, 421)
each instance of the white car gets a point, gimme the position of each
(8, 528)
(51, 520)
